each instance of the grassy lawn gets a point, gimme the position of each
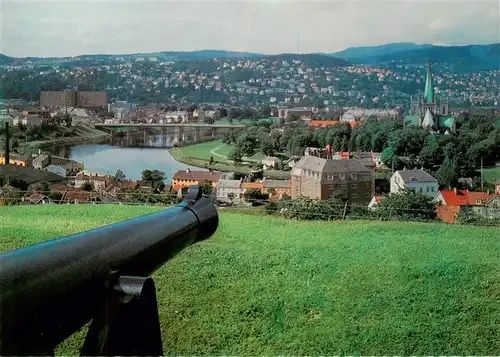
(491, 174)
(267, 286)
(199, 155)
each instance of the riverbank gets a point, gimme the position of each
(83, 134)
(198, 155)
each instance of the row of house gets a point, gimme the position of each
(227, 189)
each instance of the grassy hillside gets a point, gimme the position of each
(265, 286)
(199, 155)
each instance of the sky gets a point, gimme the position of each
(69, 28)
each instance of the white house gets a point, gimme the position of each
(270, 162)
(56, 169)
(226, 187)
(416, 180)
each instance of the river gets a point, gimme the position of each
(132, 154)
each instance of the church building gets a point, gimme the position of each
(430, 111)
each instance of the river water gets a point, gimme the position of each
(131, 153)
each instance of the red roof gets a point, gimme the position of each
(464, 197)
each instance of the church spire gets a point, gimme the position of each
(429, 90)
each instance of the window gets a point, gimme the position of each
(367, 185)
(354, 195)
(342, 176)
(354, 176)
(335, 176)
(421, 189)
(432, 189)
(354, 186)
(343, 186)
(427, 188)
(331, 187)
(367, 194)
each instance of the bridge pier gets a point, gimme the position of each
(196, 134)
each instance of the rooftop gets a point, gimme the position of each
(197, 175)
(318, 164)
(416, 176)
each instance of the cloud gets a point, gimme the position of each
(72, 27)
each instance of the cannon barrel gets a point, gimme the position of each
(50, 290)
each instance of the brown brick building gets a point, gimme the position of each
(74, 99)
(320, 178)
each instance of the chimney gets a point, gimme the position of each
(455, 190)
(188, 170)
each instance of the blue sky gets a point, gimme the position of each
(69, 28)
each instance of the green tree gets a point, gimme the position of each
(155, 177)
(120, 175)
(206, 188)
(336, 144)
(254, 194)
(344, 144)
(267, 148)
(212, 161)
(236, 155)
(406, 205)
(88, 186)
(449, 172)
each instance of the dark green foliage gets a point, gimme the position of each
(206, 188)
(155, 178)
(254, 194)
(406, 205)
(120, 175)
(88, 186)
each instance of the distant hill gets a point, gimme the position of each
(369, 51)
(460, 58)
(5, 60)
(313, 60)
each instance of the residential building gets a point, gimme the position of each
(227, 188)
(320, 178)
(277, 188)
(246, 185)
(416, 180)
(186, 178)
(299, 111)
(99, 182)
(453, 202)
(56, 169)
(270, 162)
(41, 161)
(14, 159)
(73, 99)
(38, 199)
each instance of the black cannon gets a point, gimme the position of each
(51, 290)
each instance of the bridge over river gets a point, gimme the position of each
(178, 128)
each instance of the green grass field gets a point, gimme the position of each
(492, 174)
(215, 148)
(267, 286)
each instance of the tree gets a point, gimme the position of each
(212, 161)
(406, 205)
(119, 175)
(254, 194)
(267, 148)
(206, 188)
(88, 186)
(449, 172)
(156, 177)
(236, 155)
(343, 144)
(41, 187)
(336, 144)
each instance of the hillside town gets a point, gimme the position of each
(289, 80)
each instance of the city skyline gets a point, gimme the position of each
(268, 27)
